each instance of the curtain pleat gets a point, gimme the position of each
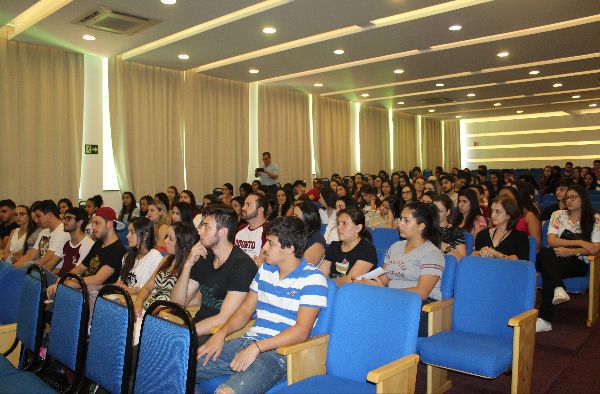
(451, 144)
(405, 142)
(332, 136)
(431, 131)
(374, 139)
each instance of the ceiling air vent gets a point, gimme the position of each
(115, 22)
(436, 100)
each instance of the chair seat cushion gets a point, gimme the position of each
(6, 367)
(578, 284)
(477, 354)
(24, 382)
(210, 385)
(327, 384)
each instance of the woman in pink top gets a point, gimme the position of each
(529, 223)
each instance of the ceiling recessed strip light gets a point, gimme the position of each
(205, 26)
(318, 85)
(503, 54)
(554, 76)
(497, 104)
(398, 71)
(576, 96)
(534, 72)
(400, 103)
(253, 71)
(520, 111)
(364, 95)
(37, 12)
(269, 30)
(168, 2)
(439, 85)
(593, 105)
(430, 91)
(536, 131)
(431, 110)
(557, 85)
(564, 91)
(183, 56)
(427, 11)
(533, 145)
(546, 159)
(88, 37)
(455, 28)
(470, 94)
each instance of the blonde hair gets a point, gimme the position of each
(163, 219)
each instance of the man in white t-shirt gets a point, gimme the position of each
(48, 248)
(251, 235)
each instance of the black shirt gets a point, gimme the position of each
(342, 262)
(235, 274)
(98, 257)
(453, 236)
(548, 211)
(515, 243)
(6, 230)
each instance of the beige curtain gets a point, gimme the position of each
(41, 121)
(332, 140)
(451, 144)
(374, 136)
(284, 130)
(431, 132)
(405, 142)
(216, 132)
(146, 112)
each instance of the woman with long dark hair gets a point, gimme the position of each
(469, 217)
(144, 202)
(495, 183)
(283, 206)
(63, 205)
(173, 196)
(452, 238)
(182, 212)
(354, 254)
(129, 210)
(17, 244)
(315, 242)
(573, 234)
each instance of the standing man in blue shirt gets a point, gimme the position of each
(269, 173)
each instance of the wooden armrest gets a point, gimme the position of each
(8, 328)
(435, 306)
(193, 310)
(235, 334)
(523, 318)
(8, 333)
(310, 342)
(592, 258)
(395, 367)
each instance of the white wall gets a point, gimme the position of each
(531, 142)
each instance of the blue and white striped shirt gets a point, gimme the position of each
(279, 300)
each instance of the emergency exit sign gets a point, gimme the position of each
(91, 149)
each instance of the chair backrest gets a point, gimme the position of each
(370, 327)
(488, 292)
(383, 238)
(448, 276)
(122, 235)
(323, 228)
(532, 248)
(324, 319)
(545, 233)
(167, 356)
(30, 317)
(108, 360)
(469, 242)
(70, 317)
(11, 282)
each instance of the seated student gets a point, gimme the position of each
(561, 189)
(283, 206)
(64, 204)
(7, 221)
(573, 234)
(144, 202)
(368, 199)
(17, 243)
(77, 248)
(529, 221)
(327, 200)
(427, 197)
(447, 184)
(331, 233)
(315, 242)
(283, 317)
(181, 237)
(157, 213)
(452, 238)
(217, 270)
(48, 248)
(251, 236)
(415, 263)
(129, 209)
(236, 204)
(142, 259)
(245, 189)
(469, 217)
(227, 195)
(314, 194)
(91, 205)
(501, 241)
(382, 216)
(354, 254)
(419, 184)
(103, 262)
(182, 212)
(387, 190)
(172, 196)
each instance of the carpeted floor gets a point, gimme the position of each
(567, 359)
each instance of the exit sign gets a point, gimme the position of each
(91, 149)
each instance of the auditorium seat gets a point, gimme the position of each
(469, 242)
(491, 314)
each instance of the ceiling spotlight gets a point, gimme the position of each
(503, 54)
(398, 71)
(455, 28)
(318, 84)
(339, 51)
(439, 85)
(400, 103)
(557, 85)
(497, 104)
(168, 2)
(471, 95)
(458, 116)
(520, 111)
(431, 110)
(88, 37)
(364, 95)
(593, 105)
(253, 71)
(183, 56)
(534, 72)
(269, 30)
(576, 96)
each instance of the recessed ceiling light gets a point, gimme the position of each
(364, 95)
(470, 94)
(168, 2)
(431, 110)
(455, 28)
(497, 104)
(183, 56)
(557, 85)
(520, 111)
(88, 37)
(269, 30)
(398, 71)
(593, 105)
(458, 116)
(400, 103)
(439, 85)
(339, 51)
(576, 96)
(503, 54)
(253, 71)
(534, 72)
(317, 84)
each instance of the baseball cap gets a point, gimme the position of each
(108, 213)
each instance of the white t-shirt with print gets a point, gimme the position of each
(54, 241)
(143, 269)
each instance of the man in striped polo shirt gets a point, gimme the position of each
(287, 295)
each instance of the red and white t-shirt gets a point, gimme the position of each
(251, 240)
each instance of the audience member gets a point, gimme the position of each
(129, 209)
(327, 201)
(331, 233)
(315, 193)
(469, 217)
(79, 245)
(284, 205)
(236, 204)
(268, 173)
(182, 212)
(144, 202)
(382, 216)
(17, 243)
(173, 196)
(447, 184)
(315, 242)
(227, 193)
(251, 235)
(387, 190)
(157, 213)
(63, 205)
(452, 238)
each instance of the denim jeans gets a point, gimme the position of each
(266, 371)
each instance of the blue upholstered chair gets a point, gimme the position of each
(323, 228)
(532, 249)
(448, 276)
(66, 343)
(469, 242)
(489, 326)
(11, 280)
(108, 361)
(176, 373)
(359, 355)
(383, 238)
(30, 320)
